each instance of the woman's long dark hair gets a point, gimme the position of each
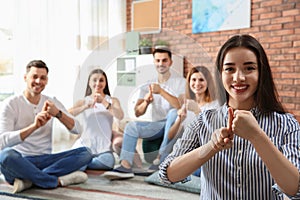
(209, 92)
(266, 95)
(88, 90)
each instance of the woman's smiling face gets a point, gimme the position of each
(198, 83)
(240, 77)
(97, 83)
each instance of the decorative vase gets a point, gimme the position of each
(145, 50)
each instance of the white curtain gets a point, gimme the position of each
(6, 49)
(63, 34)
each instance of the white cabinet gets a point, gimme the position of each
(132, 71)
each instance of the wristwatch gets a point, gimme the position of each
(59, 114)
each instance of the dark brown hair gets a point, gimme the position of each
(266, 96)
(37, 64)
(162, 50)
(88, 90)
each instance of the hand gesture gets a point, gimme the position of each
(155, 88)
(98, 98)
(51, 109)
(229, 125)
(243, 123)
(41, 119)
(149, 96)
(222, 138)
(182, 111)
(89, 104)
(193, 106)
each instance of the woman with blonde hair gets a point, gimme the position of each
(199, 95)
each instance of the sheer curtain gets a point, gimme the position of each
(6, 49)
(63, 34)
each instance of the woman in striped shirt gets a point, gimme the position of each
(249, 147)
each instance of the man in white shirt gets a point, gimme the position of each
(161, 95)
(26, 122)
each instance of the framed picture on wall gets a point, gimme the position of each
(146, 16)
(211, 15)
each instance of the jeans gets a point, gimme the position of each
(167, 145)
(136, 129)
(197, 172)
(103, 161)
(42, 170)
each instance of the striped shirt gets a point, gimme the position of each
(237, 173)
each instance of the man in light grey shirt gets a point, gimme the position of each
(26, 122)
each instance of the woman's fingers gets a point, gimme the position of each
(230, 119)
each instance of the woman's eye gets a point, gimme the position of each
(250, 68)
(228, 69)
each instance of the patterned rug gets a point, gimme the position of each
(8, 196)
(98, 187)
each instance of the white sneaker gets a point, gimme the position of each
(156, 161)
(119, 173)
(73, 178)
(20, 185)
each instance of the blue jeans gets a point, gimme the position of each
(167, 145)
(197, 172)
(136, 129)
(103, 161)
(42, 170)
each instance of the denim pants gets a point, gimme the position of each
(137, 129)
(102, 161)
(42, 170)
(167, 145)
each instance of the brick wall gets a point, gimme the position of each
(275, 23)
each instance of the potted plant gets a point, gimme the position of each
(145, 45)
(161, 44)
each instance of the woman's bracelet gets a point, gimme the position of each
(108, 106)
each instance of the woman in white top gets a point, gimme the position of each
(199, 96)
(97, 111)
